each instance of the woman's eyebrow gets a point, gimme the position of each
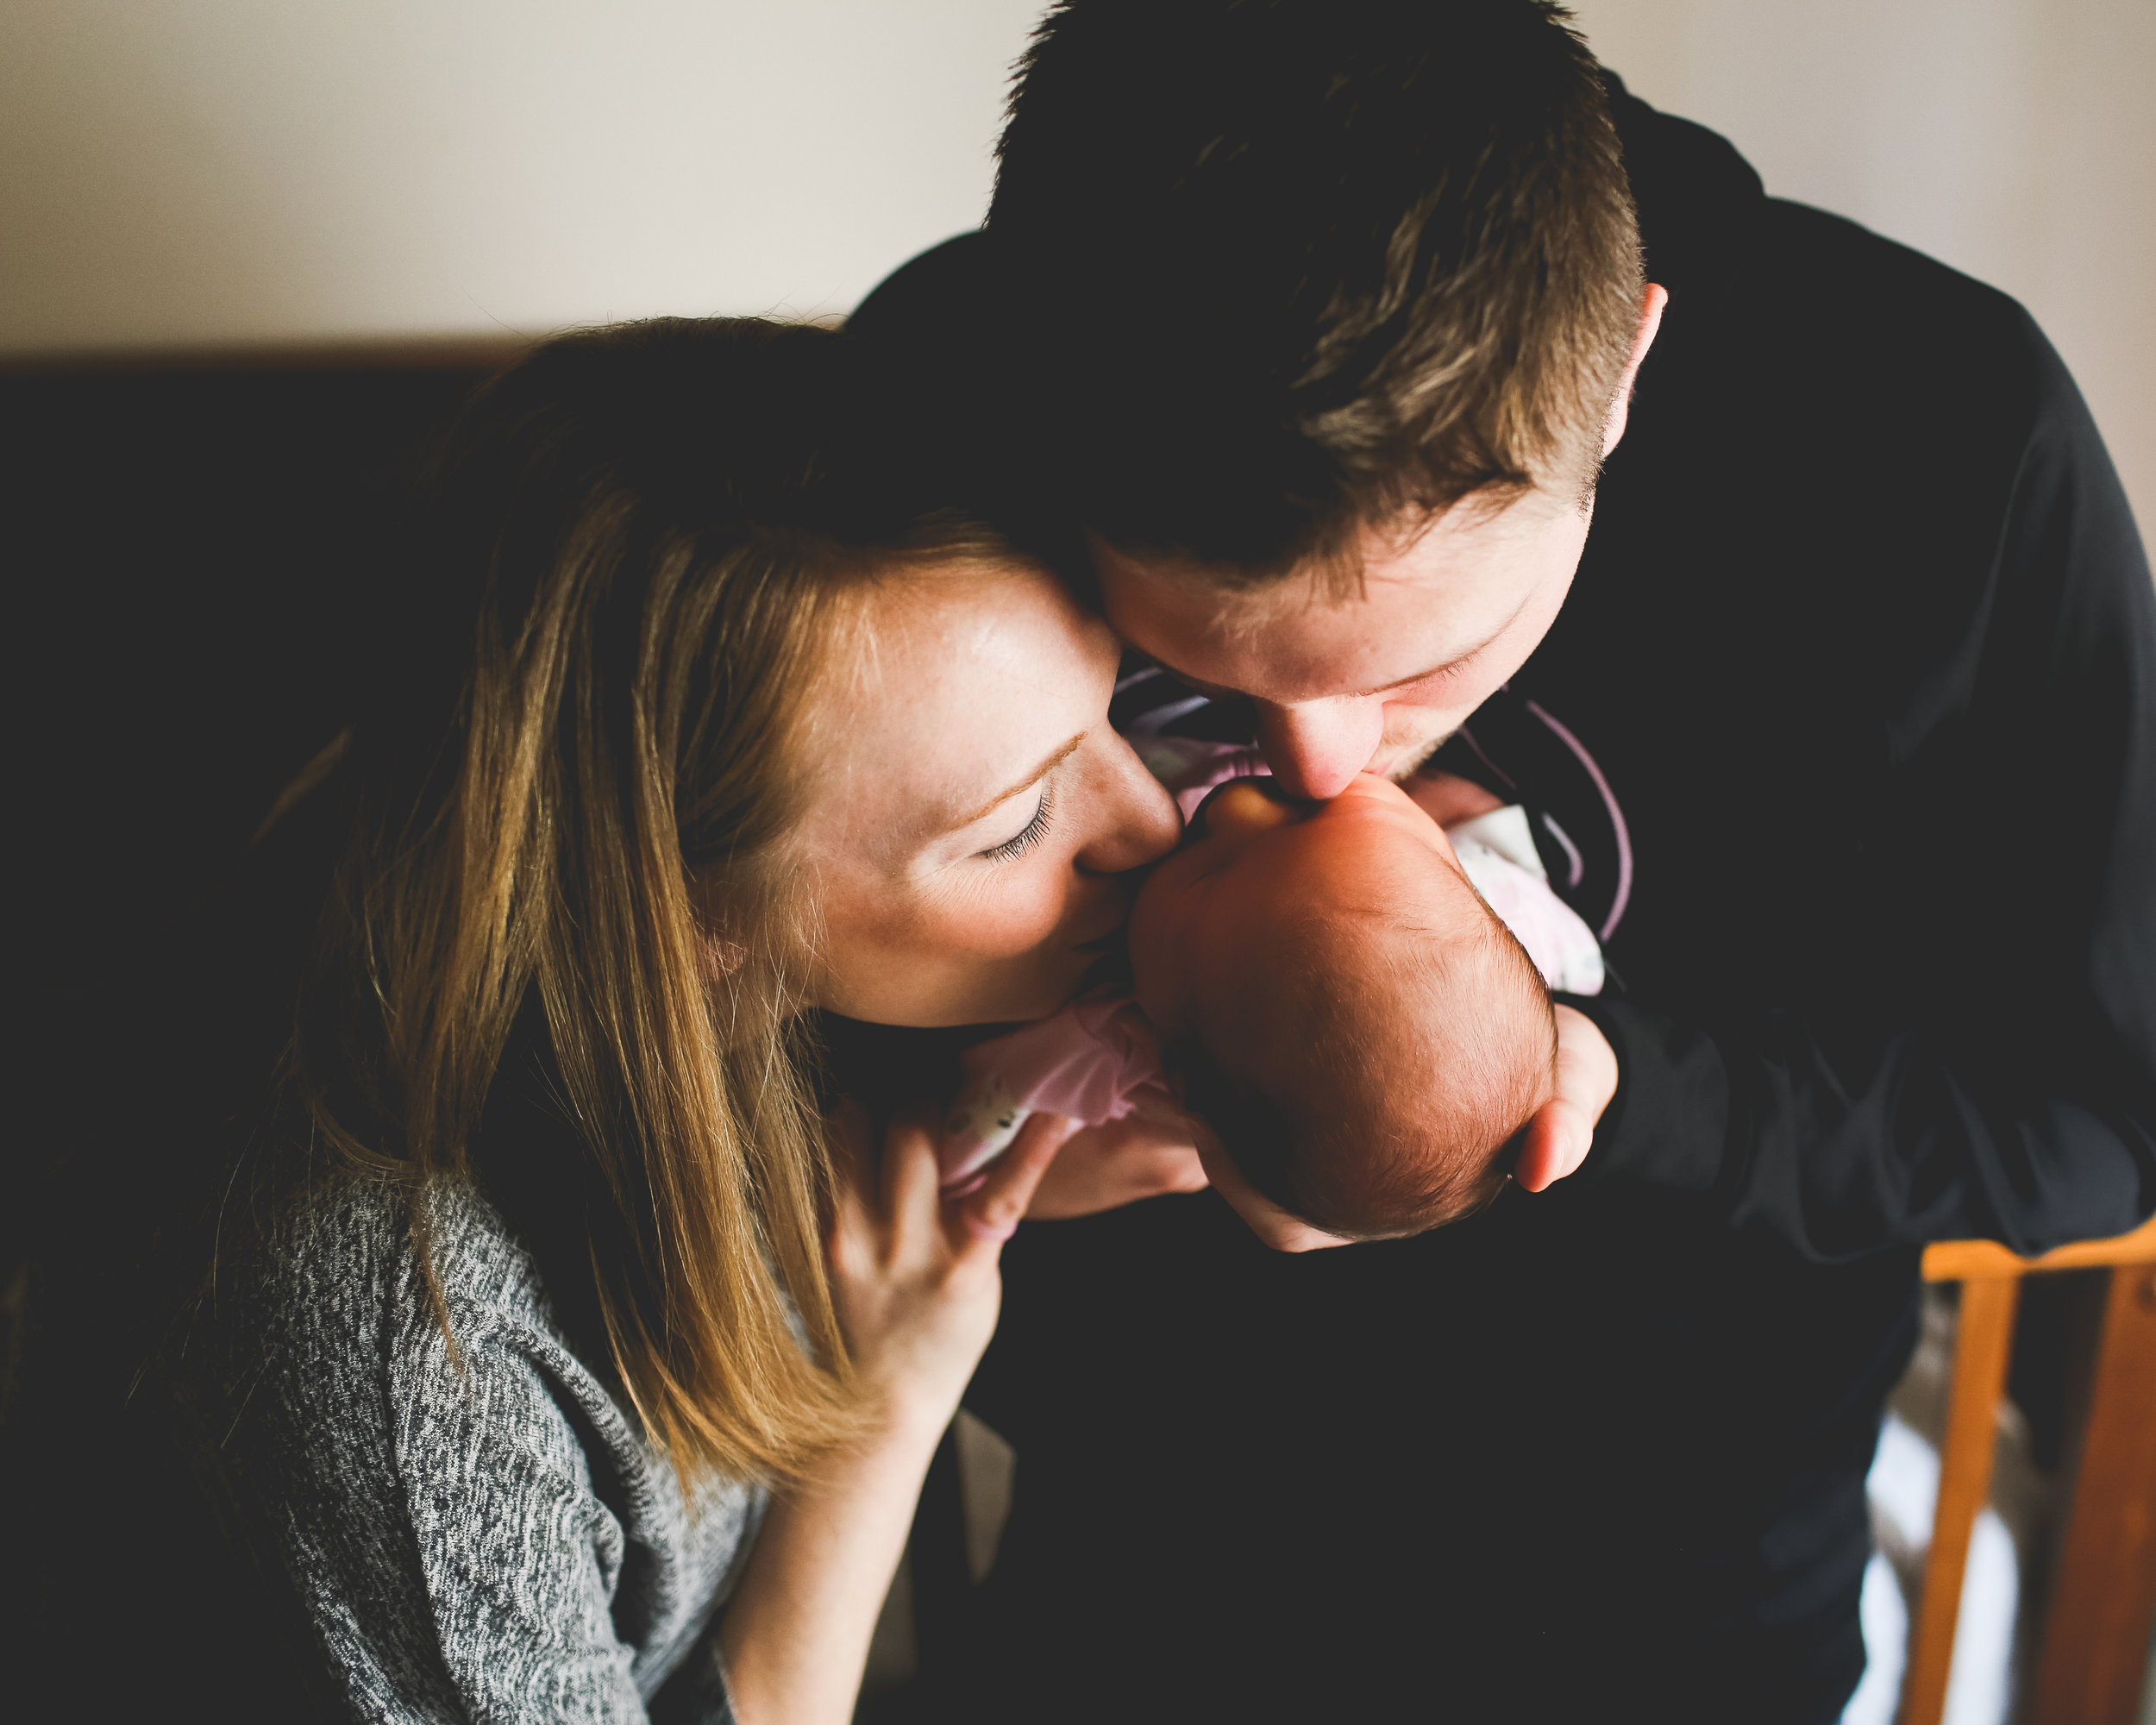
(1032, 778)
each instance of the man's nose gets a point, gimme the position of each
(1316, 747)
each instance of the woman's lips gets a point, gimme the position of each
(1100, 941)
(1096, 931)
(1103, 930)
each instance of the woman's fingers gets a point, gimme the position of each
(851, 1138)
(992, 1213)
(911, 1175)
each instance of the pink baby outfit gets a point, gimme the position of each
(1086, 1063)
(1091, 1061)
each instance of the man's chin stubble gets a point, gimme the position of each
(1417, 757)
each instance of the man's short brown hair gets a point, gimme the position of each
(1296, 267)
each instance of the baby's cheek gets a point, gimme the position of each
(1157, 965)
(1190, 951)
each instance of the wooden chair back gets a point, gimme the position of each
(2094, 1644)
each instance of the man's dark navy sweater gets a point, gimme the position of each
(1864, 645)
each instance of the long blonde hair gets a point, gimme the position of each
(571, 805)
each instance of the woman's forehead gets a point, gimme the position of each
(962, 683)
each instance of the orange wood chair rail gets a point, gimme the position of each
(2103, 1593)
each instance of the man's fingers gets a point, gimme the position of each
(1265, 1219)
(992, 1213)
(1557, 1143)
(1562, 1130)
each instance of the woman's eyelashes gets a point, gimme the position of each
(1019, 843)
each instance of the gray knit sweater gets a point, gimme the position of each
(492, 1542)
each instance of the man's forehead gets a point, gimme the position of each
(1302, 638)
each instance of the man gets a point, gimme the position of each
(1833, 692)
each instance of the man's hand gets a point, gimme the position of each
(1265, 1219)
(1563, 1129)
(1148, 1155)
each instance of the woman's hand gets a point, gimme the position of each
(918, 1286)
(917, 1278)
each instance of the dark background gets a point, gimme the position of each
(201, 567)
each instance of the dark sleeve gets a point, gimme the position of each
(1986, 1065)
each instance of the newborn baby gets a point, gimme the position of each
(1347, 1114)
(1304, 1045)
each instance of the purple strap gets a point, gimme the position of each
(1616, 819)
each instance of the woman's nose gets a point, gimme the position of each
(1316, 747)
(1138, 821)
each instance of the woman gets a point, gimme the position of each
(534, 1322)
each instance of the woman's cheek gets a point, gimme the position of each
(1004, 917)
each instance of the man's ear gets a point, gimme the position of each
(1651, 304)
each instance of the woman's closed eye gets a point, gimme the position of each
(1023, 841)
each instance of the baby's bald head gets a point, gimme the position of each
(1363, 1033)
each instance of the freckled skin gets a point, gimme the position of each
(962, 681)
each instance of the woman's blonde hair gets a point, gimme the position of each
(567, 813)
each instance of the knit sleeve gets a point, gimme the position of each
(476, 1532)
(520, 1558)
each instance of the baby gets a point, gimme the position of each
(1264, 952)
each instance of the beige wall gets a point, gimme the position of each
(178, 172)
(191, 171)
(2014, 139)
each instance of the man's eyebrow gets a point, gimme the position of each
(1462, 657)
(1032, 778)
(1434, 671)
(1459, 658)
(1220, 692)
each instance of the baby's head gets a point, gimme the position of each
(1361, 1032)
